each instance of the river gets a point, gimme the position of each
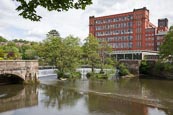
(88, 97)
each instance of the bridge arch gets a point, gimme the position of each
(22, 70)
(10, 78)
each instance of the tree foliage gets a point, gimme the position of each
(63, 53)
(27, 8)
(166, 48)
(91, 52)
(53, 33)
(10, 51)
(2, 39)
(106, 59)
(20, 41)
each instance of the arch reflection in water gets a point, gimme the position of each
(14, 97)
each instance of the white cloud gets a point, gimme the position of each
(74, 22)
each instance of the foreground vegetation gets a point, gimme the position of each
(163, 68)
(66, 54)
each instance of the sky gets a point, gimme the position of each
(73, 22)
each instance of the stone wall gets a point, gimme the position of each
(132, 65)
(25, 69)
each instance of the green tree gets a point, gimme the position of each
(27, 8)
(30, 54)
(2, 39)
(62, 53)
(53, 33)
(20, 40)
(91, 52)
(2, 54)
(11, 51)
(72, 53)
(50, 49)
(106, 60)
(22, 50)
(166, 49)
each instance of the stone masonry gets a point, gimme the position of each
(25, 69)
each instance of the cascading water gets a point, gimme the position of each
(47, 72)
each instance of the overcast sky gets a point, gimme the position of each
(74, 22)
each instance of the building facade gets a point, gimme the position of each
(128, 31)
(161, 32)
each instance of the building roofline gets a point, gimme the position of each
(163, 19)
(111, 15)
(119, 14)
(144, 8)
(152, 25)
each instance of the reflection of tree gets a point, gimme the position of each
(59, 96)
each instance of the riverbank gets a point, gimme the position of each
(158, 70)
(128, 76)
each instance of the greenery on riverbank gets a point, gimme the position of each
(17, 49)
(163, 68)
(158, 69)
(66, 54)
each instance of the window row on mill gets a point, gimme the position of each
(115, 32)
(149, 38)
(121, 45)
(149, 44)
(114, 26)
(115, 19)
(116, 38)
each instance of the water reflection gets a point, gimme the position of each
(59, 97)
(160, 90)
(104, 104)
(123, 97)
(78, 97)
(13, 97)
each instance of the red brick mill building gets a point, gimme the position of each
(131, 35)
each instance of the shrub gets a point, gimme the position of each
(123, 70)
(90, 75)
(75, 75)
(144, 67)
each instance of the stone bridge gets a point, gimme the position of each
(24, 70)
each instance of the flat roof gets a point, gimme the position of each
(134, 51)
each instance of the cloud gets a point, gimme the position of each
(74, 22)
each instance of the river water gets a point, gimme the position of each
(88, 97)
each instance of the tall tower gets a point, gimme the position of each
(162, 25)
(92, 25)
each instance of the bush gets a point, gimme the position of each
(90, 75)
(62, 74)
(1, 58)
(75, 75)
(144, 67)
(123, 70)
(97, 75)
(164, 67)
